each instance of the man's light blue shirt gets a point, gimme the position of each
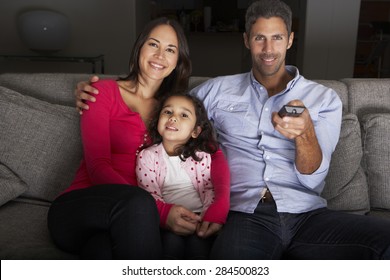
(258, 155)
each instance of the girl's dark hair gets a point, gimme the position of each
(206, 140)
(178, 80)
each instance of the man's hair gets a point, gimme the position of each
(268, 9)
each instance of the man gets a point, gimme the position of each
(278, 164)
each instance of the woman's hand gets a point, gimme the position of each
(84, 92)
(182, 221)
(206, 229)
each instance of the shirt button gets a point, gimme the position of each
(266, 109)
(231, 108)
(267, 157)
(267, 179)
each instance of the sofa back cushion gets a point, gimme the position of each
(196, 81)
(346, 186)
(368, 96)
(55, 88)
(39, 142)
(376, 143)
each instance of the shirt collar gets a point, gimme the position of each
(289, 68)
(293, 72)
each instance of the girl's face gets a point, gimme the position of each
(177, 123)
(160, 53)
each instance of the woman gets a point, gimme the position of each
(101, 215)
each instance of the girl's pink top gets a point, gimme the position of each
(152, 170)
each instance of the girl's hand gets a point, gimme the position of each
(84, 92)
(206, 229)
(182, 221)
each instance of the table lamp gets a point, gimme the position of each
(44, 31)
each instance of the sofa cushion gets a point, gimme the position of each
(40, 143)
(368, 96)
(196, 81)
(26, 235)
(52, 87)
(11, 186)
(346, 186)
(376, 137)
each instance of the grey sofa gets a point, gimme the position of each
(40, 151)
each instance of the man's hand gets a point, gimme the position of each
(308, 153)
(182, 221)
(84, 92)
(293, 127)
(206, 229)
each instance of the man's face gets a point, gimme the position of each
(268, 42)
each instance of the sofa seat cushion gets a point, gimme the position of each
(346, 186)
(385, 214)
(376, 145)
(11, 186)
(24, 233)
(40, 143)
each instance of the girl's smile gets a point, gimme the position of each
(177, 123)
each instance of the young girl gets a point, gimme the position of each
(175, 169)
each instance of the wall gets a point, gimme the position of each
(97, 27)
(371, 13)
(327, 49)
(216, 54)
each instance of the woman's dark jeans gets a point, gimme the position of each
(106, 222)
(318, 234)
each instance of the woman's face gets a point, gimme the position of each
(160, 53)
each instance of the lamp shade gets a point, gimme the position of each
(44, 31)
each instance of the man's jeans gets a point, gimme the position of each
(318, 234)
